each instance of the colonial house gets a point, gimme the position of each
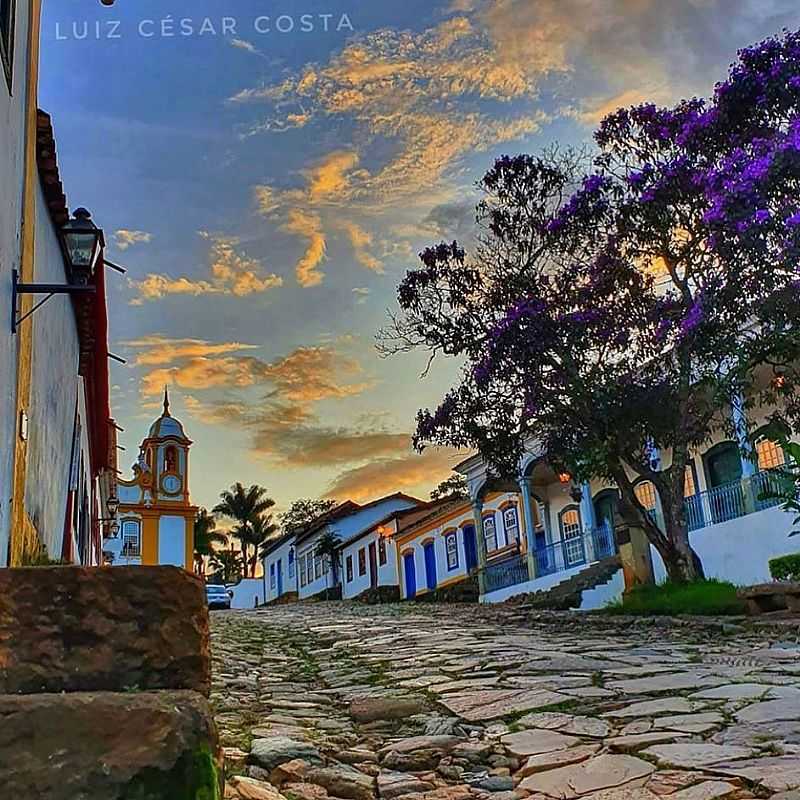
(570, 529)
(369, 559)
(280, 569)
(315, 572)
(156, 515)
(57, 439)
(443, 548)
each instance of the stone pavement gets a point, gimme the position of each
(437, 702)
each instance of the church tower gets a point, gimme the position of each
(155, 512)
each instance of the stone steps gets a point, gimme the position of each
(567, 594)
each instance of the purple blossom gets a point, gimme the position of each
(694, 316)
(794, 220)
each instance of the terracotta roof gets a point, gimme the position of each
(443, 506)
(47, 162)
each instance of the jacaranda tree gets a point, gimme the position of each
(612, 320)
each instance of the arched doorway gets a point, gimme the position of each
(723, 468)
(606, 507)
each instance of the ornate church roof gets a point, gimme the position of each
(166, 424)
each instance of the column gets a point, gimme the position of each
(739, 414)
(530, 528)
(589, 520)
(480, 541)
(746, 454)
(655, 464)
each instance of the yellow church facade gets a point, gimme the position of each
(156, 516)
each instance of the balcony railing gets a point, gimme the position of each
(558, 556)
(731, 500)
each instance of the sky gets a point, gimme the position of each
(267, 171)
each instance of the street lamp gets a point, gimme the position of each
(81, 241)
(112, 504)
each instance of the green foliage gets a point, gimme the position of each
(228, 565)
(303, 512)
(41, 558)
(205, 537)
(705, 597)
(195, 776)
(454, 487)
(785, 568)
(248, 507)
(785, 483)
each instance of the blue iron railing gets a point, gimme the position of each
(731, 500)
(508, 572)
(551, 558)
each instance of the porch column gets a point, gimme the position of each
(589, 519)
(740, 424)
(548, 522)
(480, 541)
(655, 463)
(746, 454)
(530, 530)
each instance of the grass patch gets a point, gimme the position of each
(707, 597)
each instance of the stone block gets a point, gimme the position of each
(108, 746)
(76, 629)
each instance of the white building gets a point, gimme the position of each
(316, 573)
(280, 569)
(570, 528)
(369, 559)
(440, 548)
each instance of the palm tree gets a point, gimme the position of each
(244, 506)
(205, 537)
(260, 530)
(328, 548)
(228, 564)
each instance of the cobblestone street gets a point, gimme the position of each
(457, 702)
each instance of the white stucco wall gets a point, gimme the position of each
(346, 528)
(54, 387)
(248, 593)
(444, 575)
(739, 550)
(172, 541)
(386, 573)
(270, 562)
(12, 137)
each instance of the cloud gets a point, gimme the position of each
(123, 239)
(412, 471)
(329, 178)
(423, 91)
(362, 294)
(308, 225)
(157, 349)
(306, 375)
(361, 241)
(243, 44)
(232, 273)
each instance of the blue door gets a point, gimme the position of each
(470, 548)
(411, 576)
(280, 579)
(430, 566)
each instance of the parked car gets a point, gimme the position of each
(217, 596)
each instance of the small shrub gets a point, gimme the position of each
(706, 597)
(785, 568)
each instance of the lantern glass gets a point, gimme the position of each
(82, 240)
(112, 504)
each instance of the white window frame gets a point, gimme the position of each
(490, 532)
(272, 575)
(511, 531)
(451, 549)
(135, 537)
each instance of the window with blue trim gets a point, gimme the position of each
(451, 547)
(291, 562)
(271, 576)
(511, 525)
(490, 533)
